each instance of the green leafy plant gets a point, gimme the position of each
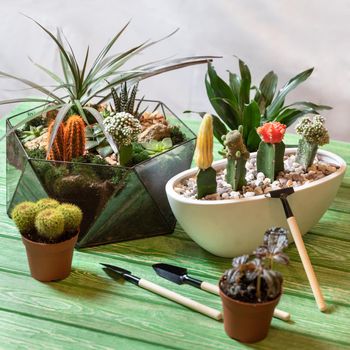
(32, 133)
(251, 278)
(80, 85)
(235, 104)
(153, 147)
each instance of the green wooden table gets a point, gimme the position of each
(88, 310)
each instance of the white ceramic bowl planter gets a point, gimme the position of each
(233, 227)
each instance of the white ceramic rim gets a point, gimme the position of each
(218, 164)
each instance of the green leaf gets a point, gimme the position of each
(235, 84)
(251, 120)
(245, 83)
(290, 115)
(98, 117)
(266, 92)
(309, 105)
(277, 103)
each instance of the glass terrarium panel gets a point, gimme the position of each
(131, 213)
(157, 171)
(87, 185)
(29, 188)
(15, 164)
(174, 120)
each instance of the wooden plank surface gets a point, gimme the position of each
(88, 310)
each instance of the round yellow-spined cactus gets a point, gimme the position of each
(204, 148)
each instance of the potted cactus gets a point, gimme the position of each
(49, 232)
(96, 145)
(224, 196)
(251, 289)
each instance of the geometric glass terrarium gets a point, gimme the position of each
(119, 203)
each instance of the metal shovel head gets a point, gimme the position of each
(120, 271)
(170, 272)
(284, 192)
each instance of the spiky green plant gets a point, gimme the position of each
(235, 105)
(23, 215)
(124, 101)
(80, 84)
(32, 133)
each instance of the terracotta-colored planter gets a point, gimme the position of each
(50, 262)
(247, 322)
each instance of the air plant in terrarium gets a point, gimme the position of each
(251, 289)
(81, 85)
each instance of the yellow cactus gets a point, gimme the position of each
(204, 148)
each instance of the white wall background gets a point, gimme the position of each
(286, 36)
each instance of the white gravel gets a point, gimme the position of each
(257, 184)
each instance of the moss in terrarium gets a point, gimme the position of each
(37, 153)
(176, 135)
(139, 153)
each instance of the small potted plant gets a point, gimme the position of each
(49, 232)
(251, 289)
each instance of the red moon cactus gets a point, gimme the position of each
(272, 132)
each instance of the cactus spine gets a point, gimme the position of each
(313, 134)
(46, 203)
(270, 155)
(23, 215)
(72, 216)
(206, 176)
(57, 149)
(74, 140)
(49, 223)
(237, 156)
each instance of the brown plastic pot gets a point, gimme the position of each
(50, 262)
(247, 322)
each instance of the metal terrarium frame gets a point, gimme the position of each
(119, 203)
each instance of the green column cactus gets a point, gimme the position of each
(206, 176)
(49, 223)
(270, 155)
(23, 215)
(313, 134)
(72, 216)
(237, 156)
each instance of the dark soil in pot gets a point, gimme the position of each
(247, 322)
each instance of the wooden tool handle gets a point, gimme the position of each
(180, 299)
(212, 288)
(310, 273)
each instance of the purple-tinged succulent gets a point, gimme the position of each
(251, 278)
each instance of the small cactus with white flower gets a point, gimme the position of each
(124, 128)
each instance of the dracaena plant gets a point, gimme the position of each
(81, 84)
(252, 278)
(239, 102)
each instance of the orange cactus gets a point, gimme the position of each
(74, 138)
(57, 149)
(272, 132)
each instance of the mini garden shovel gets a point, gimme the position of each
(298, 240)
(179, 275)
(166, 293)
